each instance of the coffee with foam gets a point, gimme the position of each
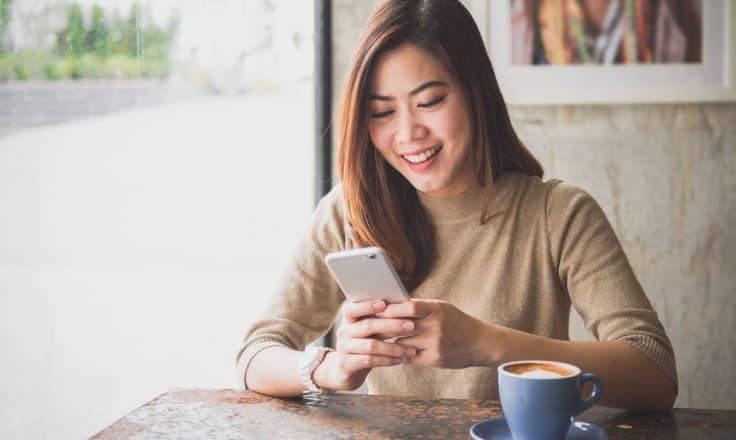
(540, 398)
(535, 370)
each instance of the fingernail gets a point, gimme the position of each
(378, 305)
(408, 325)
(411, 351)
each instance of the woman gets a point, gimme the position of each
(492, 255)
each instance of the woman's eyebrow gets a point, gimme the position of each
(426, 85)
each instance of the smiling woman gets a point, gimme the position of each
(424, 134)
(492, 255)
(413, 90)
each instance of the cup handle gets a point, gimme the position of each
(584, 405)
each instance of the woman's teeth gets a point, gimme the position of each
(421, 157)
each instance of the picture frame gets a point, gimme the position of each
(712, 80)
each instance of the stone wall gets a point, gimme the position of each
(664, 175)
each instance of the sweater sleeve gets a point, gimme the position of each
(307, 299)
(597, 276)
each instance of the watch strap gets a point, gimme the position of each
(312, 357)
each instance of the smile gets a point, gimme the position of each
(423, 156)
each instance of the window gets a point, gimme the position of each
(156, 172)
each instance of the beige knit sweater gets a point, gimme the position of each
(547, 246)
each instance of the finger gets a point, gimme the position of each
(420, 326)
(419, 342)
(357, 362)
(408, 309)
(375, 347)
(409, 330)
(426, 353)
(355, 311)
(385, 327)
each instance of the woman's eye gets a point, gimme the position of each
(435, 101)
(376, 115)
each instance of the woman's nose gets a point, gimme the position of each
(409, 129)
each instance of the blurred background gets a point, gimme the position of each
(155, 174)
(157, 168)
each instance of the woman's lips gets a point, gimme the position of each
(425, 165)
(422, 156)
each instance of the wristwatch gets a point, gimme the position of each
(308, 362)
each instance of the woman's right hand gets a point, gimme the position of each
(361, 346)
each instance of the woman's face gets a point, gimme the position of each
(420, 122)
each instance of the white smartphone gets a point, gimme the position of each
(366, 274)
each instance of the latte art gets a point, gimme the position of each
(539, 370)
(540, 374)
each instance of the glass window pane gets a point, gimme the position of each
(156, 172)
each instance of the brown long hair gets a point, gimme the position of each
(383, 207)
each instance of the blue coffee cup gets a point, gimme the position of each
(540, 398)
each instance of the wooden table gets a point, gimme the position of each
(229, 414)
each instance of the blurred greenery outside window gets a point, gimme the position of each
(110, 45)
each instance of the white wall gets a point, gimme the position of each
(136, 247)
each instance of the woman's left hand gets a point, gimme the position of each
(443, 335)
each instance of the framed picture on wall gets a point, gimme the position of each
(611, 51)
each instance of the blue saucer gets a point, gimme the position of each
(497, 429)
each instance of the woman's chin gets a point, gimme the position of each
(431, 185)
(429, 188)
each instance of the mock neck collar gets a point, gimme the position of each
(468, 204)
